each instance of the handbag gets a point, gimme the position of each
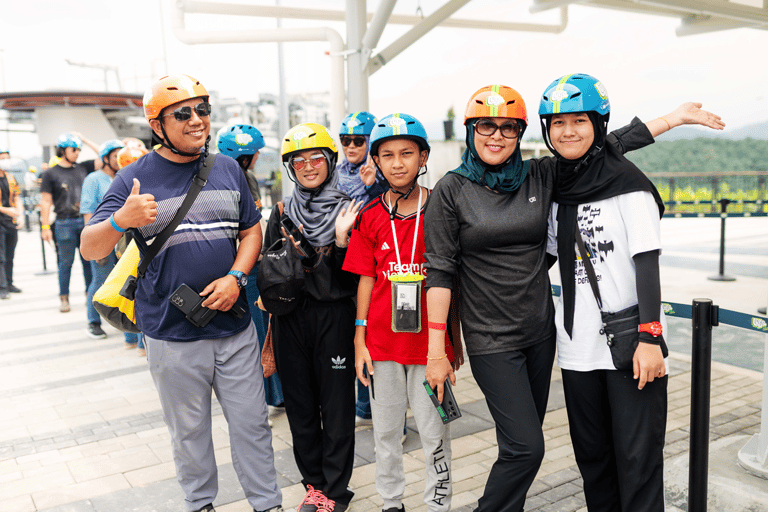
(281, 277)
(268, 354)
(620, 328)
(114, 300)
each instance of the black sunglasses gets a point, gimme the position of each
(346, 141)
(488, 128)
(202, 109)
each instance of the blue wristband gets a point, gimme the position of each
(114, 224)
(364, 323)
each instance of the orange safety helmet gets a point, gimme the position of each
(133, 142)
(169, 90)
(496, 101)
(128, 155)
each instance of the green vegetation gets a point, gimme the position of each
(707, 170)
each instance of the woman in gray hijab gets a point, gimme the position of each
(314, 343)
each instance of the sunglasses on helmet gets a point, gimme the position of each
(202, 109)
(298, 163)
(487, 128)
(358, 141)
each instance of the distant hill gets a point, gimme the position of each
(758, 131)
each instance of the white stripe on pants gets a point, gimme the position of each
(184, 374)
(394, 387)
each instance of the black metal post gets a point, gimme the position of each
(705, 316)
(45, 270)
(721, 274)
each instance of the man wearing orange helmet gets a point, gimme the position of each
(189, 360)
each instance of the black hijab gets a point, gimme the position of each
(603, 172)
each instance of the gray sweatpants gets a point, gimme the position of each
(184, 374)
(394, 387)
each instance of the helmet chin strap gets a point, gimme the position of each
(166, 143)
(393, 212)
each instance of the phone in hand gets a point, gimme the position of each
(305, 249)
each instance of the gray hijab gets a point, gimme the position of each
(317, 209)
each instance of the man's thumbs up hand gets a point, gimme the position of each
(139, 209)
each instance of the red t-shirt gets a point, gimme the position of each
(371, 253)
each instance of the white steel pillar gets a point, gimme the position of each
(357, 76)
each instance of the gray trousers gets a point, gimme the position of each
(184, 374)
(394, 387)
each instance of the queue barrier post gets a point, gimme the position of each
(721, 275)
(704, 316)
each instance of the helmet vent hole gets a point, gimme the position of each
(173, 88)
(410, 122)
(546, 98)
(576, 94)
(478, 102)
(510, 102)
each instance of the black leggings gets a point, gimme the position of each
(618, 438)
(516, 388)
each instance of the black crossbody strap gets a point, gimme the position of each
(198, 182)
(589, 268)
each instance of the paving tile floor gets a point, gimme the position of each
(83, 431)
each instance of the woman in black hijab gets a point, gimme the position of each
(616, 413)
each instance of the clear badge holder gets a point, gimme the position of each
(406, 302)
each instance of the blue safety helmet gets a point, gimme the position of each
(571, 94)
(67, 140)
(239, 139)
(575, 93)
(109, 147)
(398, 126)
(358, 123)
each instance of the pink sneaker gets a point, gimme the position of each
(312, 500)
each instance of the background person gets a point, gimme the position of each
(11, 212)
(61, 189)
(357, 175)
(243, 142)
(314, 343)
(188, 363)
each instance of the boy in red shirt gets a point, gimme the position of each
(391, 335)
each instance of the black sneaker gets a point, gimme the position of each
(393, 509)
(96, 332)
(207, 508)
(4, 294)
(14, 289)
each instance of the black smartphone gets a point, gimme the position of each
(449, 407)
(370, 380)
(306, 249)
(189, 302)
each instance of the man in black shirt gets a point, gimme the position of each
(10, 210)
(61, 189)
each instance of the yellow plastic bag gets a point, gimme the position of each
(113, 307)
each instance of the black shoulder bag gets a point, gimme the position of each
(620, 328)
(198, 182)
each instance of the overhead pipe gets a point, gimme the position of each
(440, 17)
(376, 27)
(266, 11)
(414, 34)
(268, 36)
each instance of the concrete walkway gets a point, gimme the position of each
(82, 428)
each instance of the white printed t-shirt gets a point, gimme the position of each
(613, 230)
